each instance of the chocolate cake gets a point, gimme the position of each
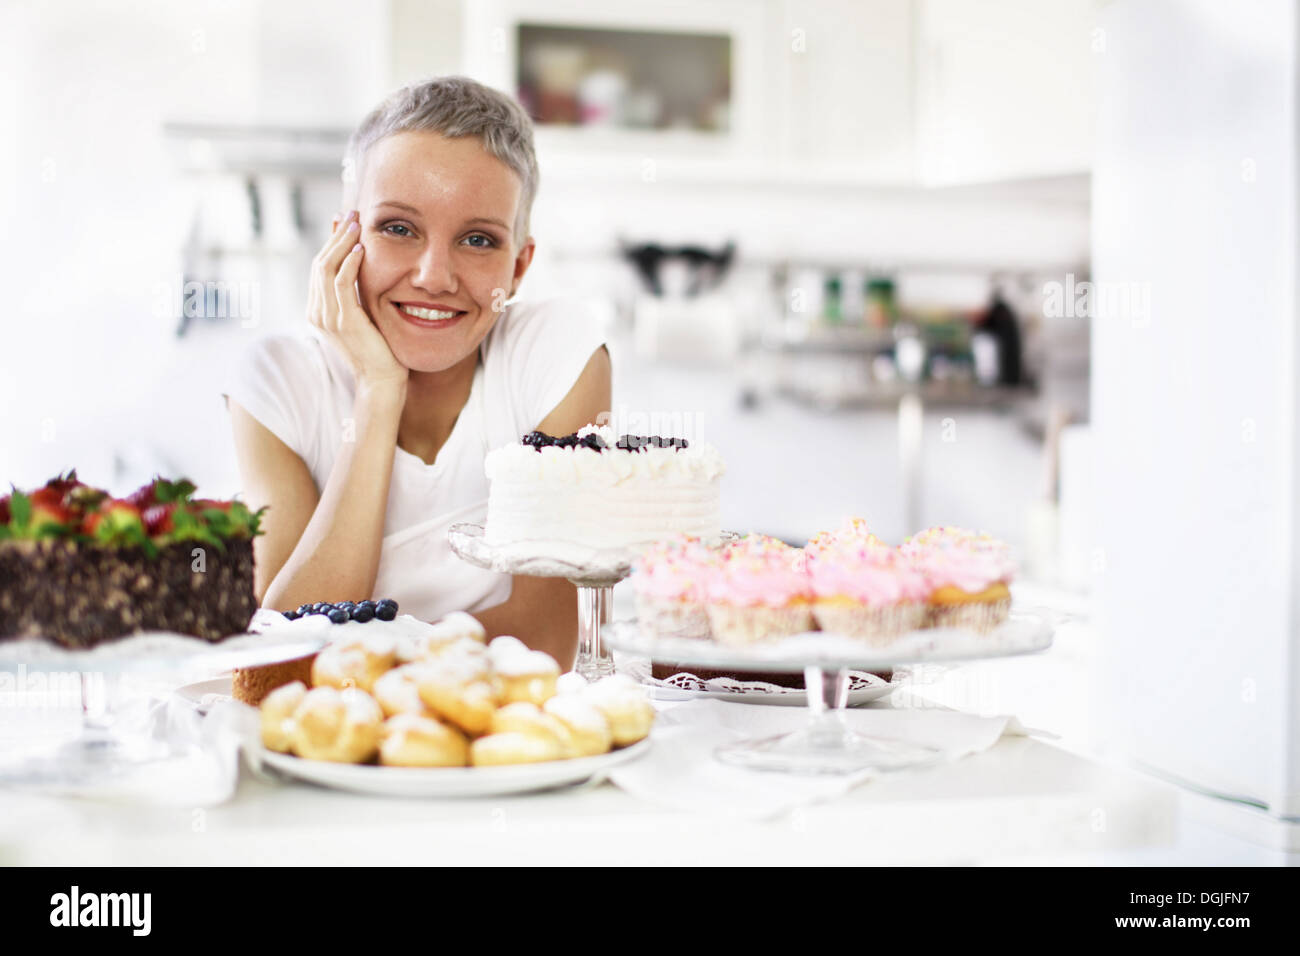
(79, 567)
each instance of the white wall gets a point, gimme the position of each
(1195, 410)
(95, 215)
(1005, 88)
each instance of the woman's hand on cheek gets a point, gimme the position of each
(333, 307)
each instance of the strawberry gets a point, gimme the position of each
(39, 515)
(161, 491)
(4, 510)
(116, 522)
(62, 484)
(49, 516)
(142, 497)
(49, 496)
(184, 523)
(67, 492)
(158, 519)
(84, 498)
(230, 519)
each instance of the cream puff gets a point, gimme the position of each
(623, 703)
(411, 740)
(587, 726)
(277, 716)
(522, 674)
(356, 662)
(339, 726)
(398, 692)
(498, 750)
(526, 718)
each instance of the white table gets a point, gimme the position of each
(1023, 799)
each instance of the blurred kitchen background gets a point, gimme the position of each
(818, 229)
(1023, 265)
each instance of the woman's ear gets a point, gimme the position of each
(522, 261)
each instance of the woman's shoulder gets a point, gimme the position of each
(534, 334)
(299, 358)
(285, 350)
(285, 381)
(552, 318)
(533, 357)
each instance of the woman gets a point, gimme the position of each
(367, 436)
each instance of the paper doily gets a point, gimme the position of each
(639, 670)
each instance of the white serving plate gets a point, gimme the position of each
(206, 693)
(161, 651)
(450, 781)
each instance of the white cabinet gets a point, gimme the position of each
(842, 83)
(1005, 88)
(490, 38)
(887, 93)
(821, 90)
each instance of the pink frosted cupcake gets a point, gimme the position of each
(853, 534)
(759, 592)
(969, 574)
(948, 538)
(873, 594)
(759, 544)
(668, 579)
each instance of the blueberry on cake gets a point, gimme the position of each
(599, 490)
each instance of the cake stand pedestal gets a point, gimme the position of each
(826, 744)
(104, 745)
(594, 571)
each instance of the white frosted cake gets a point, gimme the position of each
(595, 490)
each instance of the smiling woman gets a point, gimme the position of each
(366, 434)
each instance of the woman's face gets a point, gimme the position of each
(437, 225)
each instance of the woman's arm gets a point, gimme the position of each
(326, 546)
(543, 612)
(319, 546)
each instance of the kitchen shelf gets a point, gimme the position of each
(830, 339)
(934, 396)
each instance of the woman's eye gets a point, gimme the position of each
(484, 242)
(394, 226)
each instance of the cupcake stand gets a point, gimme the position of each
(826, 744)
(103, 746)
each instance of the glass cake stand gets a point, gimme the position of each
(594, 571)
(826, 744)
(102, 745)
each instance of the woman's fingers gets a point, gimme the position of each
(342, 238)
(335, 307)
(345, 286)
(322, 302)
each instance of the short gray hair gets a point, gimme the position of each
(454, 106)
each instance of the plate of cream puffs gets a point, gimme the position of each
(440, 712)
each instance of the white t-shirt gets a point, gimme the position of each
(301, 388)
